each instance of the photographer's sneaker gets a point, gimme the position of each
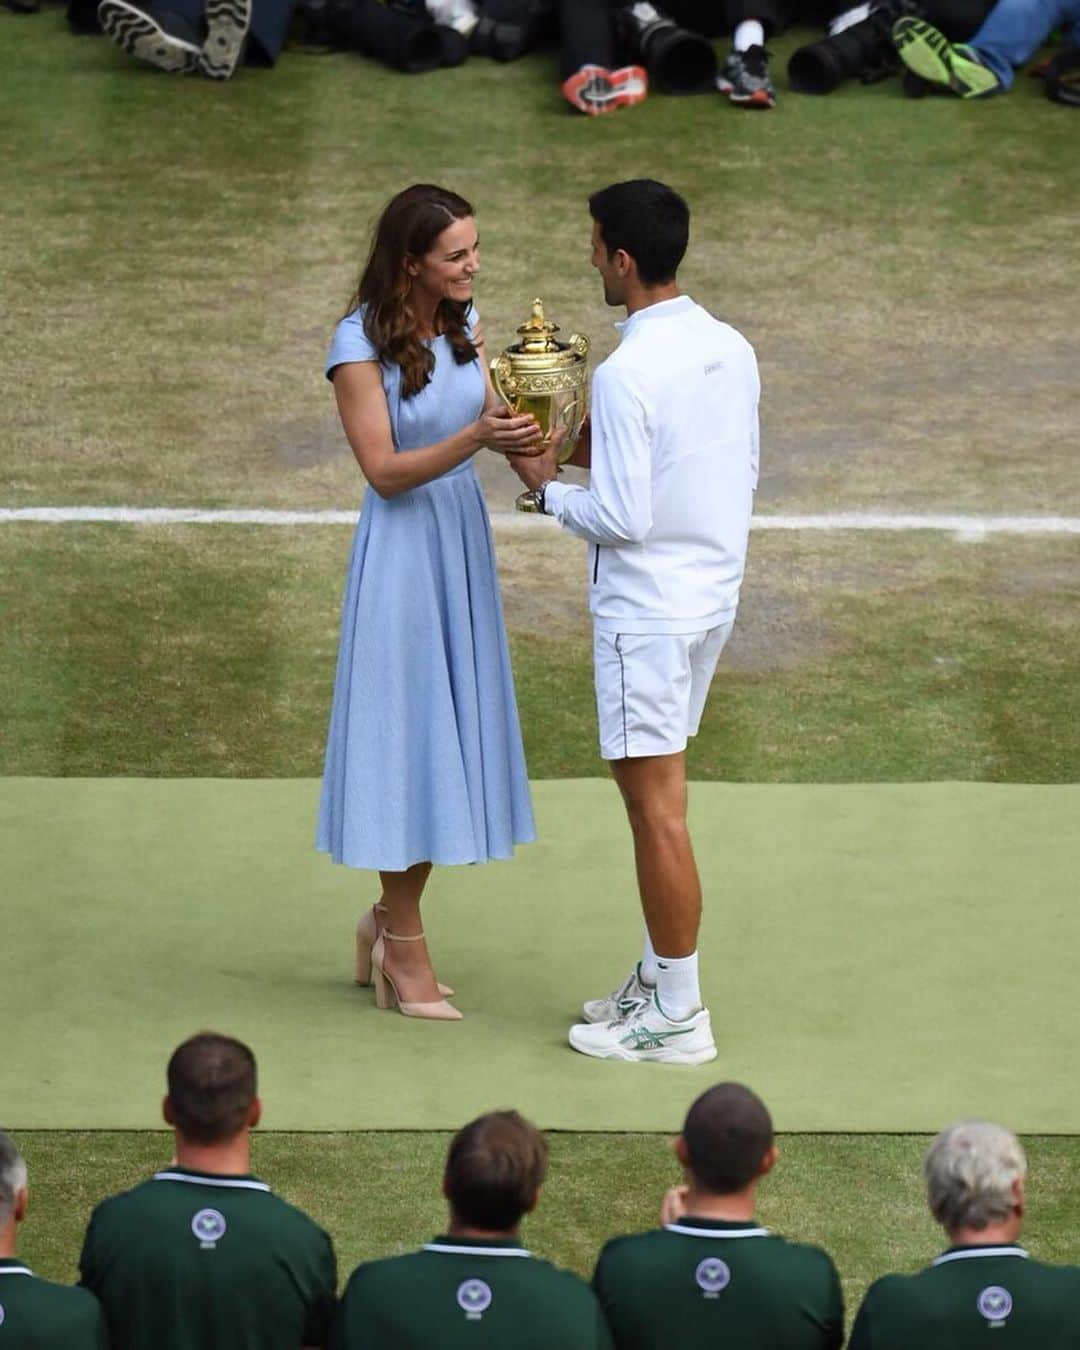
(227, 24)
(630, 997)
(648, 1036)
(929, 54)
(590, 91)
(159, 39)
(744, 77)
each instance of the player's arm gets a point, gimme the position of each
(616, 507)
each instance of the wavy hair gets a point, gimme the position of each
(408, 227)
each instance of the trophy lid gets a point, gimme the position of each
(538, 333)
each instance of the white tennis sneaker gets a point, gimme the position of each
(631, 995)
(648, 1035)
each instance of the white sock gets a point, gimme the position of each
(848, 19)
(647, 971)
(748, 34)
(677, 988)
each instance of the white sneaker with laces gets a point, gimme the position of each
(648, 1035)
(631, 995)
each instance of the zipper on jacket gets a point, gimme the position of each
(596, 564)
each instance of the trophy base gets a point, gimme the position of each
(527, 502)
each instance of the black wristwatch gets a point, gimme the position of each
(539, 495)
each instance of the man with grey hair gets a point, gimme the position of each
(985, 1281)
(34, 1312)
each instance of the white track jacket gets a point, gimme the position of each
(674, 468)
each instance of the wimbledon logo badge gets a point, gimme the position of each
(713, 1276)
(474, 1299)
(995, 1304)
(209, 1227)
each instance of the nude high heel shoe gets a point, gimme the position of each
(367, 933)
(386, 995)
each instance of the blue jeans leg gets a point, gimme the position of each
(1015, 29)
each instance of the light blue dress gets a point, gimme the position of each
(424, 760)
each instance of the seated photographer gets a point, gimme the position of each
(860, 42)
(1011, 34)
(984, 1290)
(476, 1286)
(612, 52)
(712, 1276)
(193, 37)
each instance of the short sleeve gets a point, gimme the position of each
(349, 343)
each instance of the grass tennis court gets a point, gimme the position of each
(175, 255)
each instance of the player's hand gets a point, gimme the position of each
(536, 467)
(508, 432)
(673, 1205)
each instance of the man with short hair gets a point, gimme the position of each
(712, 1276)
(673, 461)
(36, 1314)
(202, 1256)
(985, 1282)
(477, 1286)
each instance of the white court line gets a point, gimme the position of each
(964, 527)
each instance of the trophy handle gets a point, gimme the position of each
(502, 377)
(579, 344)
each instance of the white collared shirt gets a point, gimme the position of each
(674, 468)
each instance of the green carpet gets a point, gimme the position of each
(875, 957)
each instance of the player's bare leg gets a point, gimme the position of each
(653, 789)
(668, 1023)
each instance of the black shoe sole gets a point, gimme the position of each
(143, 38)
(227, 23)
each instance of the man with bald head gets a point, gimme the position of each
(984, 1281)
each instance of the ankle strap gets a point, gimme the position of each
(396, 937)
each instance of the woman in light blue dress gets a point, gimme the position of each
(424, 760)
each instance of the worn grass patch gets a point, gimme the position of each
(176, 253)
(210, 652)
(859, 1197)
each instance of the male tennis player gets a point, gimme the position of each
(673, 466)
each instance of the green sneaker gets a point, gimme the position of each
(929, 54)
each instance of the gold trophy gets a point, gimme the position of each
(547, 378)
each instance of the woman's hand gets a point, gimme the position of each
(508, 432)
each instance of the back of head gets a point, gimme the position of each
(495, 1166)
(212, 1084)
(727, 1133)
(647, 220)
(12, 1177)
(971, 1169)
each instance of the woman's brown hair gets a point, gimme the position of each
(409, 225)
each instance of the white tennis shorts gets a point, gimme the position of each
(651, 688)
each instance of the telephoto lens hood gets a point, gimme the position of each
(678, 60)
(862, 51)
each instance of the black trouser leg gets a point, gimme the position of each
(269, 28)
(588, 37)
(398, 39)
